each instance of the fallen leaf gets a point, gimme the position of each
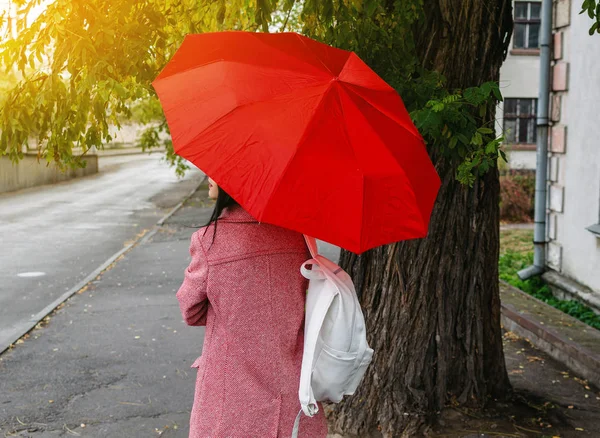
(570, 407)
(579, 429)
(137, 337)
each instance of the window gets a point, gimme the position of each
(519, 120)
(527, 25)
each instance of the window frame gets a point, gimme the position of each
(527, 22)
(518, 117)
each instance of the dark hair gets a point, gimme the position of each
(223, 201)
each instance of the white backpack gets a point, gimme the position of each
(336, 353)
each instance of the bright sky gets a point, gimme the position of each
(35, 12)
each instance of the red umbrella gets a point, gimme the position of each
(302, 135)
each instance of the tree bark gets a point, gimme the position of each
(432, 306)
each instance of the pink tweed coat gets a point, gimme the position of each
(247, 289)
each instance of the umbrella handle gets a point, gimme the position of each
(311, 242)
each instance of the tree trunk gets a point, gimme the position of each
(432, 306)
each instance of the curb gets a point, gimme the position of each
(126, 152)
(18, 330)
(570, 353)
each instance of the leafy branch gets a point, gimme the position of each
(455, 123)
(592, 7)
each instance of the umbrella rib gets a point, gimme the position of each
(382, 112)
(349, 139)
(178, 72)
(397, 162)
(313, 54)
(288, 55)
(174, 75)
(300, 144)
(214, 61)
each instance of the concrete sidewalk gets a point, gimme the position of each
(114, 361)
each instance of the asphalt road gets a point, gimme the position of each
(52, 237)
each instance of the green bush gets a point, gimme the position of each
(511, 262)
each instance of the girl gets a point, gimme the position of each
(244, 284)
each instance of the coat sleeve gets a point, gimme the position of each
(192, 298)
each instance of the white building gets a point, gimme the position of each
(519, 83)
(573, 203)
(573, 253)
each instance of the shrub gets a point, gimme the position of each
(511, 262)
(516, 199)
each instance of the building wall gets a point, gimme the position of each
(28, 172)
(521, 159)
(574, 189)
(519, 78)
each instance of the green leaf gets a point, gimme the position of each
(483, 168)
(503, 155)
(486, 88)
(595, 28)
(477, 139)
(497, 93)
(491, 147)
(463, 138)
(437, 107)
(221, 13)
(452, 143)
(371, 7)
(586, 4)
(483, 130)
(482, 110)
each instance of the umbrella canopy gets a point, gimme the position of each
(301, 134)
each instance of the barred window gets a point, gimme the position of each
(527, 25)
(519, 120)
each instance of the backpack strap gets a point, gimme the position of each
(311, 242)
(311, 335)
(312, 329)
(308, 403)
(296, 428)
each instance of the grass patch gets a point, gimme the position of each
(516, 253)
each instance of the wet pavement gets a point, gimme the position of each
(53, 236)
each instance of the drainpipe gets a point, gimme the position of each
(539, 234)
